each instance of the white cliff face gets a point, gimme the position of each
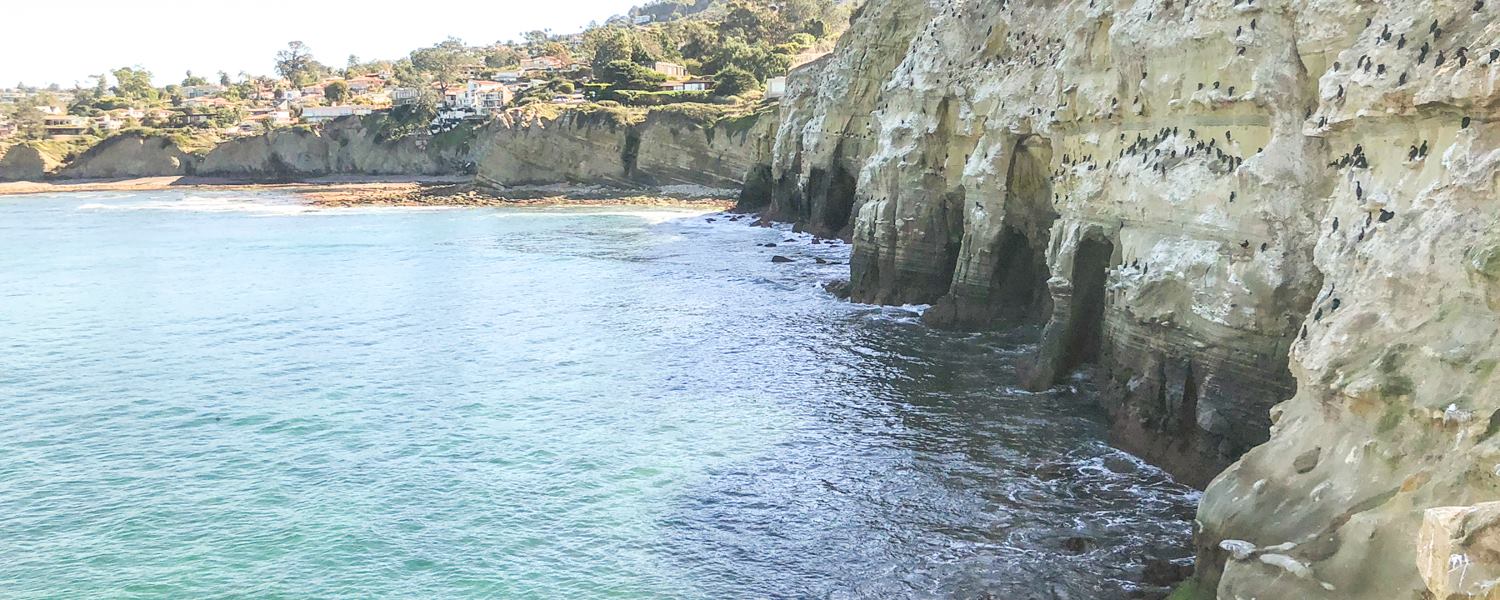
(1224, 205)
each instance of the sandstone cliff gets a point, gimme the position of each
(131, 155)
(343, 146)
(26, 162)
(1219, 207)
(616, 149)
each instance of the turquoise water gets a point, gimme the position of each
(231, 395)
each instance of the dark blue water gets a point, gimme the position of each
(230, 395)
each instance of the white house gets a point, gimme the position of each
(697, 85)
(320, 114)
(775, 87)
(403, 96)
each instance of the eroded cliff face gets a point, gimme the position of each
(131, 155)
(342, 146)
(25, 162)
(1218, 206)
(602, 148)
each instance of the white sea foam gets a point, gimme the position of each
(208, 204)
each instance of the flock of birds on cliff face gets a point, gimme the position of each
(1418, 55)
(1026, 51)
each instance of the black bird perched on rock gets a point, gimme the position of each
(1423, 150)
(1401, 80)
(1359, 191)
(1401, 42)
(1412, 154)
(1335, 223)
(1245, 244)
(1439, 61)
(1386, 215)
(1464, 124)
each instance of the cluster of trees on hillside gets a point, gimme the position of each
(728, 40)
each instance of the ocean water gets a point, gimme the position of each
(215, 395)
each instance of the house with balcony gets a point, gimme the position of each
(65, 126)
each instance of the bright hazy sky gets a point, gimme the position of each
(85, 37)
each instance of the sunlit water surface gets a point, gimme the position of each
(232, 395)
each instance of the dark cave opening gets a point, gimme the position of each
(1020, 269)
(1086, 331)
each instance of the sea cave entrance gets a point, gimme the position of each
(1086, 314)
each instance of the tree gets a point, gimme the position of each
(555, 49)
(501, 56)
(134, 84)
(295, 63)
(337, 92)
(626, 75)
(444, 61)
(604, 46)
(734, 81)
(191, 79)
(224, 79)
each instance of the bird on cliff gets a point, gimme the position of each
(1412, 154)
(1478, 5)
(1401, 80)
(1422, 55)
(1463, 57)
(1335, 223)
(1359, 191)
(1401, 42)
(1386, 215)
(1464, 124)
(1494, 55)
(1252, 24)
